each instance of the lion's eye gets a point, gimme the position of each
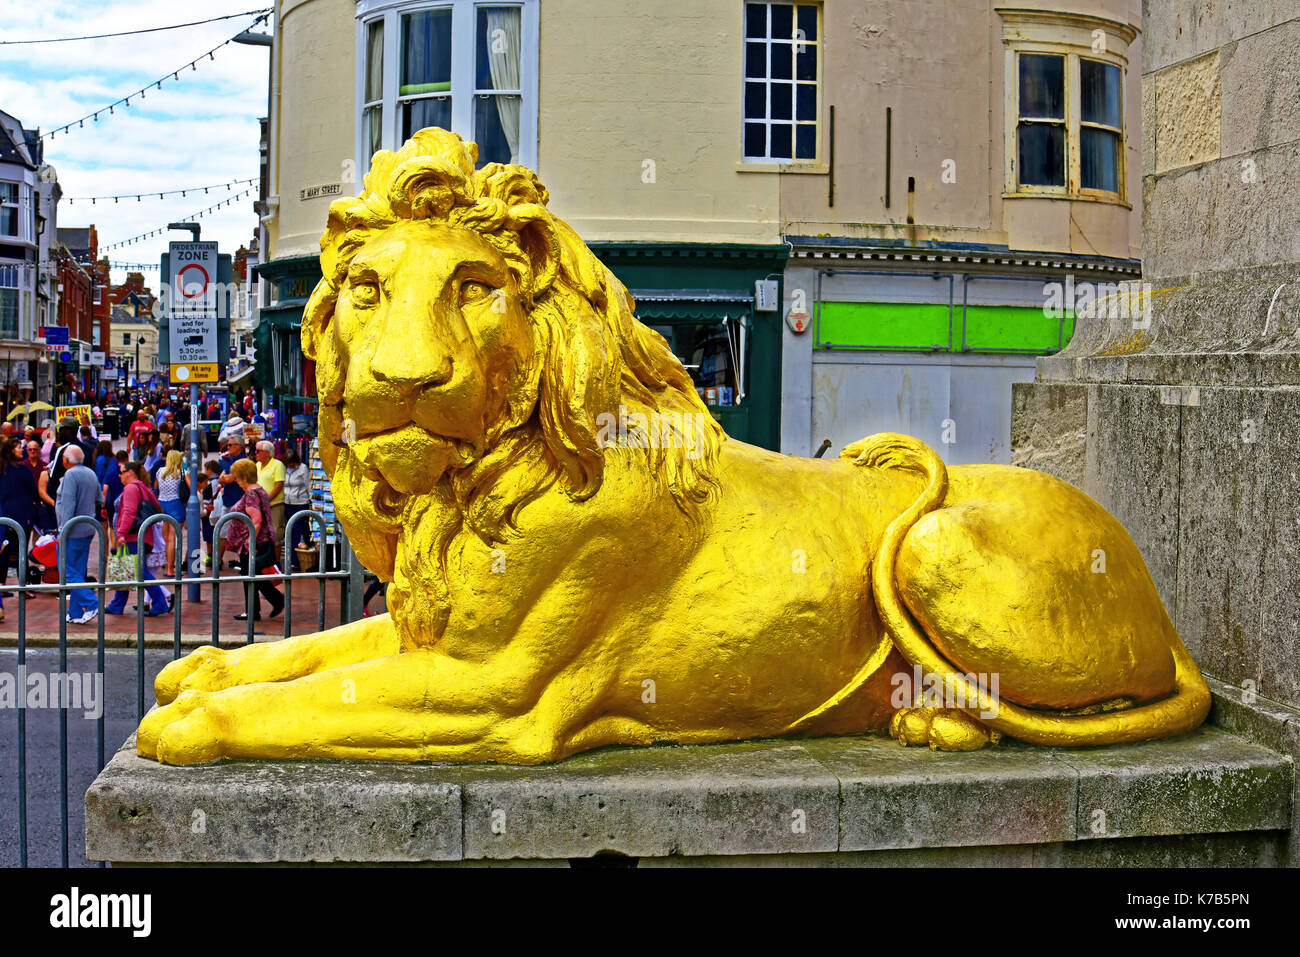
(474, 291)
(365, 293)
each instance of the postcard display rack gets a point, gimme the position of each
(322, 501)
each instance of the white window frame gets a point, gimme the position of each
(1073, 37)
(21, 278)
(17, 207)
(817, 160)
(463, 88)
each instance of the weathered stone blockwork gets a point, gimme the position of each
(813, 800)
(1191, 411)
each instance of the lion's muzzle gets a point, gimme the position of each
(409, 459)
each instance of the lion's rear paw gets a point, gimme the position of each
(944, 729)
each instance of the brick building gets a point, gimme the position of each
(90, 329)
(75, 295)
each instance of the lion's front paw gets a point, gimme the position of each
(944, 729)
(187, 731)
(203, 669)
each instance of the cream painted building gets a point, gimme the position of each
(704, 148)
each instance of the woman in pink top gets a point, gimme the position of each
(260, 553)
(135, 490)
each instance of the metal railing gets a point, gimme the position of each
(347, 571)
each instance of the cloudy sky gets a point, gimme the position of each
(197, 131)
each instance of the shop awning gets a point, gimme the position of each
(699, 305)
(241, 375)
(282, 317)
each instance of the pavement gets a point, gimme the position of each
(118, 701)
(309, 611)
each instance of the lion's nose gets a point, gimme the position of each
(408, 368)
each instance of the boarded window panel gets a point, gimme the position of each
(923, 327)
(1014, 329)
(1098, 159)
(883, 325)
(1042, 86)
(1042, 154)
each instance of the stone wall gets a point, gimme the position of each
(1188, 409)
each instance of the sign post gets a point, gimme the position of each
(192, 313)
(192, 306)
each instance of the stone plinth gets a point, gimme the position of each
(854, 800)
(1180, 417)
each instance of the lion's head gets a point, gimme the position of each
(466, 343)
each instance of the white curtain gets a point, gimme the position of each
(503, 44)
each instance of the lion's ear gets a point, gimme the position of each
(540, 243)
(319, 310)
(316, 316)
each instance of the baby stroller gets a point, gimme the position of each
(43, 559)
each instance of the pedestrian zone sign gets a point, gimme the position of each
(192, 312)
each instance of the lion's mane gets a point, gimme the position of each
(591, 353)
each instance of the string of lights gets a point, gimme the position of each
(131, 33)
(138, 197)
(156, 84)
(158, 232)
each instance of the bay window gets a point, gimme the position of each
(1069, 124)
(465, 66)
(1065, 97)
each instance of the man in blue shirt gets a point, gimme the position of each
(79, 494)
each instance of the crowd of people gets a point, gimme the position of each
(51, 477)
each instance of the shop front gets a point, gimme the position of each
(22, 369)
(281, 373)
(701, 299)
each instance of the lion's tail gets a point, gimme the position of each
(1182, 710)
(889, 450)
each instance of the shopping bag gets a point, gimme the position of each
(121, 565)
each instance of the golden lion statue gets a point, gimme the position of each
(579, 556)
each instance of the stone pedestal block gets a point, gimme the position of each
(828, 800)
